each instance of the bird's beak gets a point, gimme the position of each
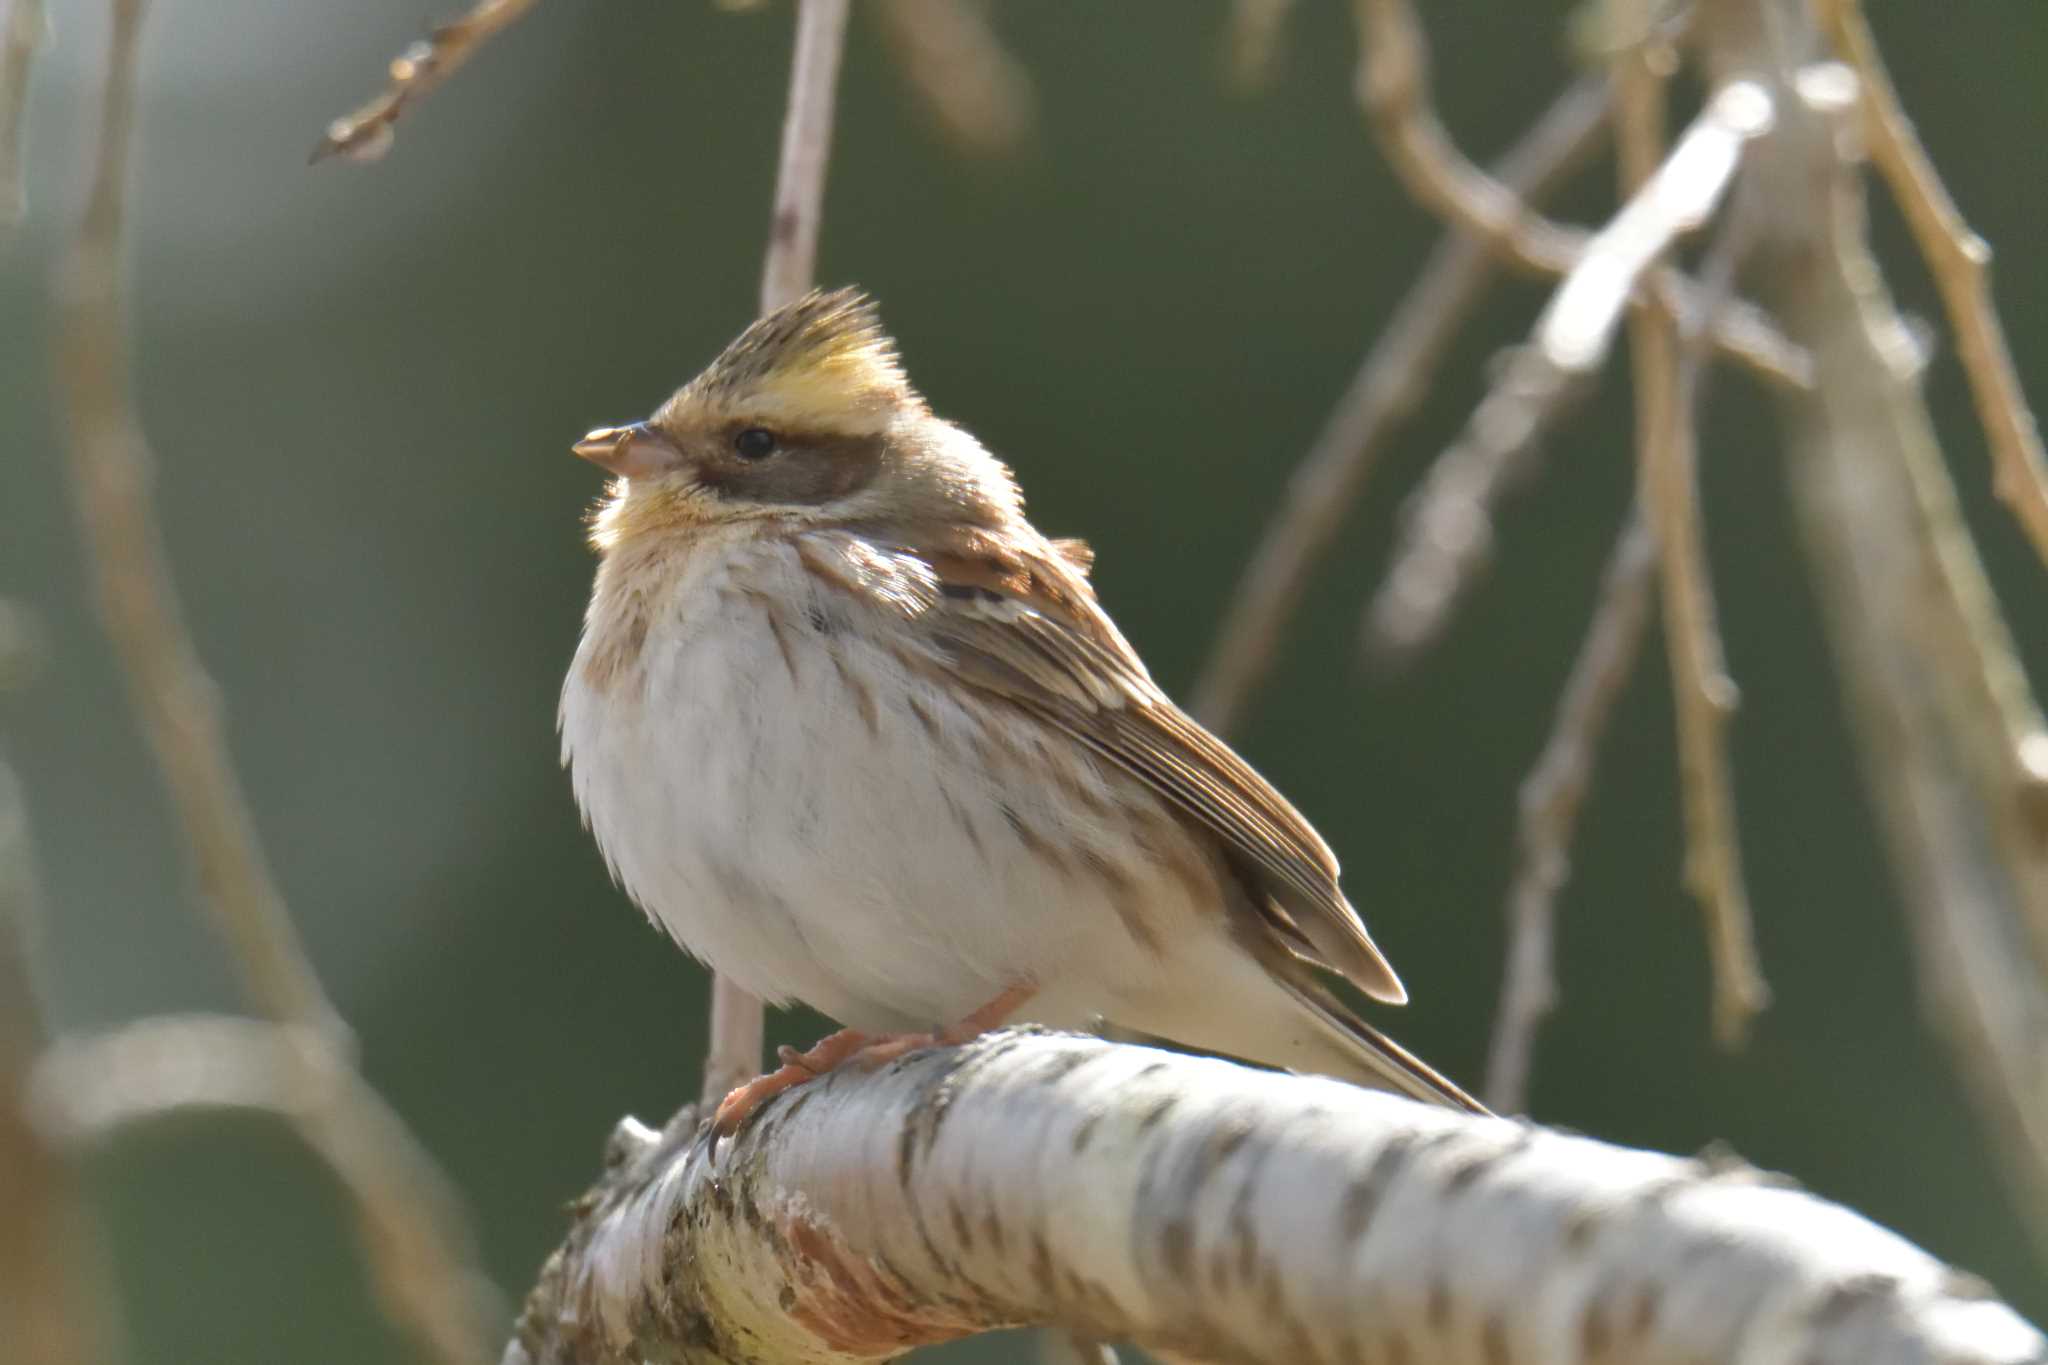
(632, 452)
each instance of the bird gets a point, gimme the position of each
(848, 727)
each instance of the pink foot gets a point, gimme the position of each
(851, 1045)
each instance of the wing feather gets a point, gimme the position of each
(1022, 624)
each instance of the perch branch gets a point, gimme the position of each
(979, 96)
(367, 133)
(1207, 1211)
(787, 270)
(1961, 264)
(1923, 655)
(1395, 375)
(26, 30)
(424, 1260)
(1393, 88)
(1548, 808)
(1704, 697)
(1448, 531)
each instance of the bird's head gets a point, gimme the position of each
(806, 418)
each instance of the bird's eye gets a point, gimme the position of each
(754, 443)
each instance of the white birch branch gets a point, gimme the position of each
(1214, 1212)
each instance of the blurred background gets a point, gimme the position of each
(362, 383)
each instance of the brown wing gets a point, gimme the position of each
(1024, 625)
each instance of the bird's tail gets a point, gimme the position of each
(1269, 1006)
(1347, 1046)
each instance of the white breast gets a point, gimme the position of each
(801, 809)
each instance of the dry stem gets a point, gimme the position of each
(979, 95)
(1393, 87)
(1961, 264)
(1389, 384)
(787, 270)
(47, 1315)
(421, 1252)
(112, 468)
(790, 266)
(366, 134)
(1548, 808)
(1667, 476)
(1448, 532)
(1447, 525)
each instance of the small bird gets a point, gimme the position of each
(850, 729)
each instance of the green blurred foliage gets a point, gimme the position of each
(362, 383)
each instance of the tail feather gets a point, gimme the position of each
(1372, 1056)
(1268, 1006)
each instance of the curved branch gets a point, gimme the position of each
(1214, 1212)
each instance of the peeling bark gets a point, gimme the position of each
(1216, 1213)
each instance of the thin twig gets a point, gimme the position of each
(1548, 808)
(88, 1090)
(1393, 87)
(421, 1252)
(1668, 484)
(1675, 196)
(1554, 791)
(51, 1311)
(791, 263)
(980, 97)
(112, 470)
(787, 270)
(1448, 533)
(1389, 384)
(1960, 261)
(25, 32)
(1447, 525)
(366, 134)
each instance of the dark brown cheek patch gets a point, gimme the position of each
(805, 470)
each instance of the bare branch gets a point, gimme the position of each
(1961, 263)
(26, 30)
(421, 1252)
(1704, 697)
(112, 469)
(1448, 531)
(367, 133)
(1216, 1213)
(790, 266)
(1673, 197)
(88, 1090)
(1549, 804)
(980, 97)
(1935, 689)
(1384, 392)
(787, 270)
(47, 1314)
(1447, 526)
(1393, 87)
